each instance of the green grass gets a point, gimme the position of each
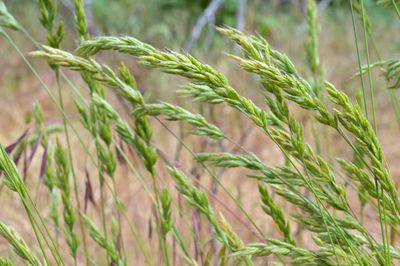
(189, 212)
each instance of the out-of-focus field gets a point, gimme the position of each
(284, 27)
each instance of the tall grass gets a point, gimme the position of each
(308, 191)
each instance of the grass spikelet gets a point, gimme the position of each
(6, 19)
(102, 241)
(166, 213)
(200, 93)
(48, 10)
(18, 244)
(389, 69)
(199, 199)
(5, 262)
(235, 243)
(312, 38)
(62, 172)
(392, 73)
(279, 248)
(176, 113)
(272, 209)
(229, 160)
(80, 19)
(12, 179)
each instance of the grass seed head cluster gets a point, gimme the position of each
(310, 182)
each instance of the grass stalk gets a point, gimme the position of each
(359, 59)
(396, 8)
(382, 221)
(74, 178)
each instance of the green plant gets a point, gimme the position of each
(315, 187)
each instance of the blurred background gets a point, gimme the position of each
(189, 26)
